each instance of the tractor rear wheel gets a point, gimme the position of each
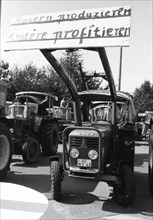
(49, 138)
(124, 191)
(5, 150)
(30, 150)
(55, 177)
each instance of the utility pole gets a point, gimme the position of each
(120, 70)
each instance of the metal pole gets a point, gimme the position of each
(67, 80)
(120, 70)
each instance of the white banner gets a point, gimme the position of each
(74, 29)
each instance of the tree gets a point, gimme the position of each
(4, 70)
(45, 79)
(71, 61)
(28, 78)
(143, 97)
(55, 83)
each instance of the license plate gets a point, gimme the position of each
(84, 163)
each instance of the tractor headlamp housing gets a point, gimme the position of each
(74, 153)
(92, 154)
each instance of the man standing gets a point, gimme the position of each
(63, 102)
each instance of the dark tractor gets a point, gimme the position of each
(89, 150)
(102, 140)
(32, 125)
(5, 135)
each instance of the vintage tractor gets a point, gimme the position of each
(5, 135)
(32, 124)
(102, 140)
(95, 149)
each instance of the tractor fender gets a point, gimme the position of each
(4, 120)
(54, 158)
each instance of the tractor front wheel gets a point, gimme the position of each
(55, 176)
(124, 191)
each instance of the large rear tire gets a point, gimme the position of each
(124, 192)
(49, 138)
(150, 167)
(5, 150)
(30, 150)
(55, 176)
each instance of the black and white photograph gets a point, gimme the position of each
(76, 110)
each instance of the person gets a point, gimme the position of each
(146, 125)
(84, 112)
(150, 131)
(63, 102)
(42, 108)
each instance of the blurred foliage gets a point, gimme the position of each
(45, 79)
(143, 97)
(4, 72)
(72, 62)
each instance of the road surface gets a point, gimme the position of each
(86, 199)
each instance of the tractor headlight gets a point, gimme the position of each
(11, 130)
(92, 154)
(74, 153)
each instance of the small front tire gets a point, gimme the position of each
(124, 192)
(55, 176)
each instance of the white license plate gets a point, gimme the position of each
(83, 163)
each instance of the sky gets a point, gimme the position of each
(136, 59)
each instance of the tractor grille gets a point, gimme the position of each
(88, 142)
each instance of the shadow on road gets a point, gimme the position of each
(37, 182)
(43, 160)
(143, 202)
(77, 191)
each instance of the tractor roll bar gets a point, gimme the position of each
(73, 90)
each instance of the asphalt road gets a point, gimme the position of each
(86, 199)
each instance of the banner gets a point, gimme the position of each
(87, 28)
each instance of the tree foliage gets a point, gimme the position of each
(45, 79)
(72, 61)
(143, 97)
(4, 70)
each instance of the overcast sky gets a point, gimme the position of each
(137, 58)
